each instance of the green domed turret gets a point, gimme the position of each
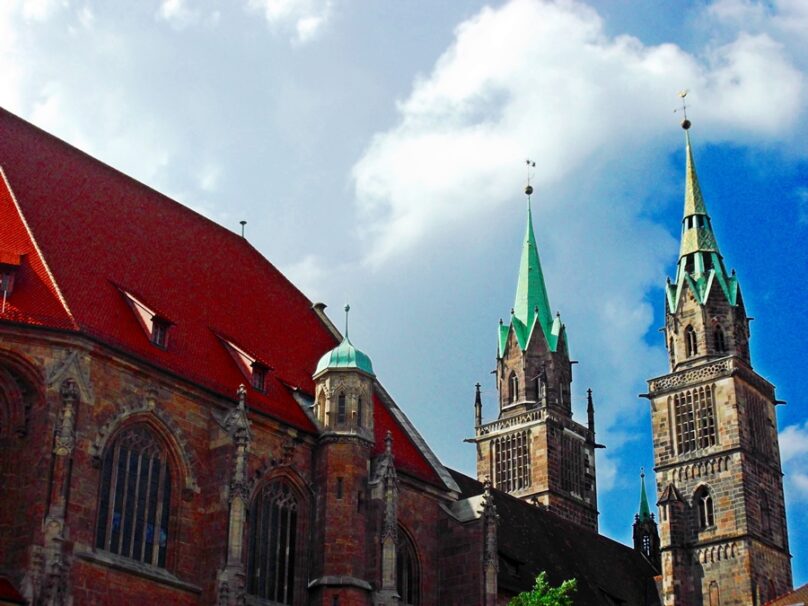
(345, 356)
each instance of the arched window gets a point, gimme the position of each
(341, 408)
(715, 597)
(720, 343)
(691, 343)
(703, 501)
(273, 543)
(765, 514)
(135, 498)
(359, 411)
(513, 387)
(408, 577)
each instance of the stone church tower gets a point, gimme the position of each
(534, 450)
(717, 460)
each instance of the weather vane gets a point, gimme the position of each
(685, 121)
(529, 187)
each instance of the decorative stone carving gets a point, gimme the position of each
(490, 553)
(65, 429)
(384, 486)
(72, 366)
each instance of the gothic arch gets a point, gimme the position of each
(21, 385)
(166, 429)
(408, 568)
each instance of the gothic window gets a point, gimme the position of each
(341, 408)
(765, 514)
(572, 465)
(695, 419)
(512, 461)
(359, 411)
(703, 502)
(647, 547)
(720, 343)
(134, 507)
(408, 578)
(708, 261)
(691, 343)
(757, 421)
(715, 598)
(273, 543)
(513, 387)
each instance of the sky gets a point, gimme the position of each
(377, 152)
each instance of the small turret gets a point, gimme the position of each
(344, 389)
(646, 534)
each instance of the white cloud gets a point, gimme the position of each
(40, 10)
(794, 455)
(305, 18)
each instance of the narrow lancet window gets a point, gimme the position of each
(408, 578)
(341, 408)
(704, 503)
(691, 343)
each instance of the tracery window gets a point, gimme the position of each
(691, 342)
(694, 412)
(572, 464)
(135, 498)
(703, 502)
(273, 543)
(359, 411)
(512, 461)
(408, 577)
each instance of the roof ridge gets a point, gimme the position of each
(38, 250)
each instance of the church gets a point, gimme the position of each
(179, 424)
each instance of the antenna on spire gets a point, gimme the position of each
(528, 187)
(347, 310)
(685, 121)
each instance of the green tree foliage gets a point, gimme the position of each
(544, 595)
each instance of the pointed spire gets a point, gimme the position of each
(645, 510)
(590, 411)
(532, 304)
(699, 256)
(478, 407)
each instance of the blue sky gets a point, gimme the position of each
(377, 150)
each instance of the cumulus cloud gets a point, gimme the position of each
(794, 455)
(545, 80)
(304, 18)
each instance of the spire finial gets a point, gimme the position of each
(347, 309)
(388, 443)
(528, 187)
(243, 223)
(685, 121)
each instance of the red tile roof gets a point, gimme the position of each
(99, 231)
(9, 593)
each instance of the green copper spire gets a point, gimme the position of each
(645, 510)
(700, 262)
(532, 306)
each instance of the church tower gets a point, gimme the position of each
(646, 535)
(343, 407)
(534, 450)
(717, 460)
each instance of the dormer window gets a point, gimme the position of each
(255, 371)
(156, 325)
(9, 263)
(159, 332)
(259, 376)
